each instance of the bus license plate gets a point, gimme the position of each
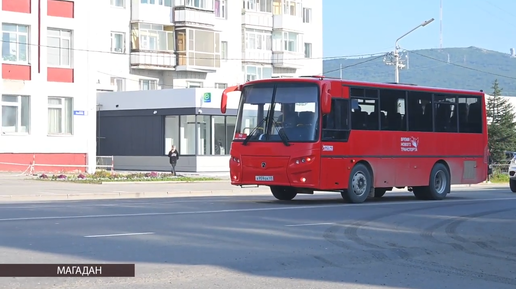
(264, 178)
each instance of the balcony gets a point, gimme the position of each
(151, 13)
(198, 50)
(257, 56)
(191, 17)
(158, 60)
(258, 20)
(288, 22)
(287, 59)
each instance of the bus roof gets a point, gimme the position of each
(317, 78)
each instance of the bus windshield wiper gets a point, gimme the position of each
(281, 133)
(253, 131)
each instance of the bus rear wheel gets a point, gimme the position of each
(283, 193)
(439, 186)
(359, 185)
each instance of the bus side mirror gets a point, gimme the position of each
(224, 98)
(325, 99)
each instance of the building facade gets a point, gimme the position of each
(48, 89)
(206, 43)
(138, 128)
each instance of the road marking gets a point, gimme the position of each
(310, 224)
(118, 235)
(292, 207)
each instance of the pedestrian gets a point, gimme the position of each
(173, 156)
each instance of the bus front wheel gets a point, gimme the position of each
(439, 186)
(283, 193)
(359, 185)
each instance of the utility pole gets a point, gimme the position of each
(396, 54)
(340, 71)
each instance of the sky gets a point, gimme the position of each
(353, 27)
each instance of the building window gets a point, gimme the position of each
(187, 134)
(224, 50)
(257, 5)
(59, 48)
(199, 4)
(308, 50)
(15, 45)
(171, 132)
(167, 3)
(220, 9)
(119, 83)
(257, 72)
(292, 8)
(307, 15)
(118, 3)
(230, 132)
(219, 135)
(204, 144)
(194, 84)
(117, 42)
(287, 41)
(198, 48)
(15, 114)
(258, 39)
(60, 115)
(152, 37)
(221, 85)
(148, 84)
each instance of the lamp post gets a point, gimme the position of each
(397, 64)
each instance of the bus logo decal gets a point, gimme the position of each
(409, 144)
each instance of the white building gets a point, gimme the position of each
(48, 91)
(205, 44)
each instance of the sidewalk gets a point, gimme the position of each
(14, 187)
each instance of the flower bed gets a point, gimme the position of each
(106, 176)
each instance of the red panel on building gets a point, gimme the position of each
(59, 8)
(15, 72)
(55, 74)
(44, 163)
(21, 6)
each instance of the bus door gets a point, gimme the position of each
(334, 142)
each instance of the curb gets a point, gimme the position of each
(104, 196)
(158, 182)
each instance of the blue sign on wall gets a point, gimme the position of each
(206, 97)
(79, 112)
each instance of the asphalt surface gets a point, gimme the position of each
(465, 241)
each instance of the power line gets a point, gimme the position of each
(185, 56)
(355, 64)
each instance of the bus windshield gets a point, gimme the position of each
(288, 115)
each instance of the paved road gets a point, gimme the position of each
(465, 241)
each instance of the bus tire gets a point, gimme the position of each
(359, 185)
(512, 185)
(283, 193)
(379, 192)
(439, 184)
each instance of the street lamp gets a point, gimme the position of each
(396, 54)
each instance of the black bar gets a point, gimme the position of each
(67, 270)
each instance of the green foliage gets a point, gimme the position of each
(103, 176)
(430, 67)
(502, 129)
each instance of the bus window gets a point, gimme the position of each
(470, 114)
(336, 124)
(419, 111)
(392, 112)
(445, 118)
(364, 114)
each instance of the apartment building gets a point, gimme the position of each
(206, 43)
(48, 91)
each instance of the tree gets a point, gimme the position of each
(502, 128)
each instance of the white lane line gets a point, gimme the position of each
(291, 207)
(310, 224)
(118, 235)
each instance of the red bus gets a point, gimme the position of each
(306, 134)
